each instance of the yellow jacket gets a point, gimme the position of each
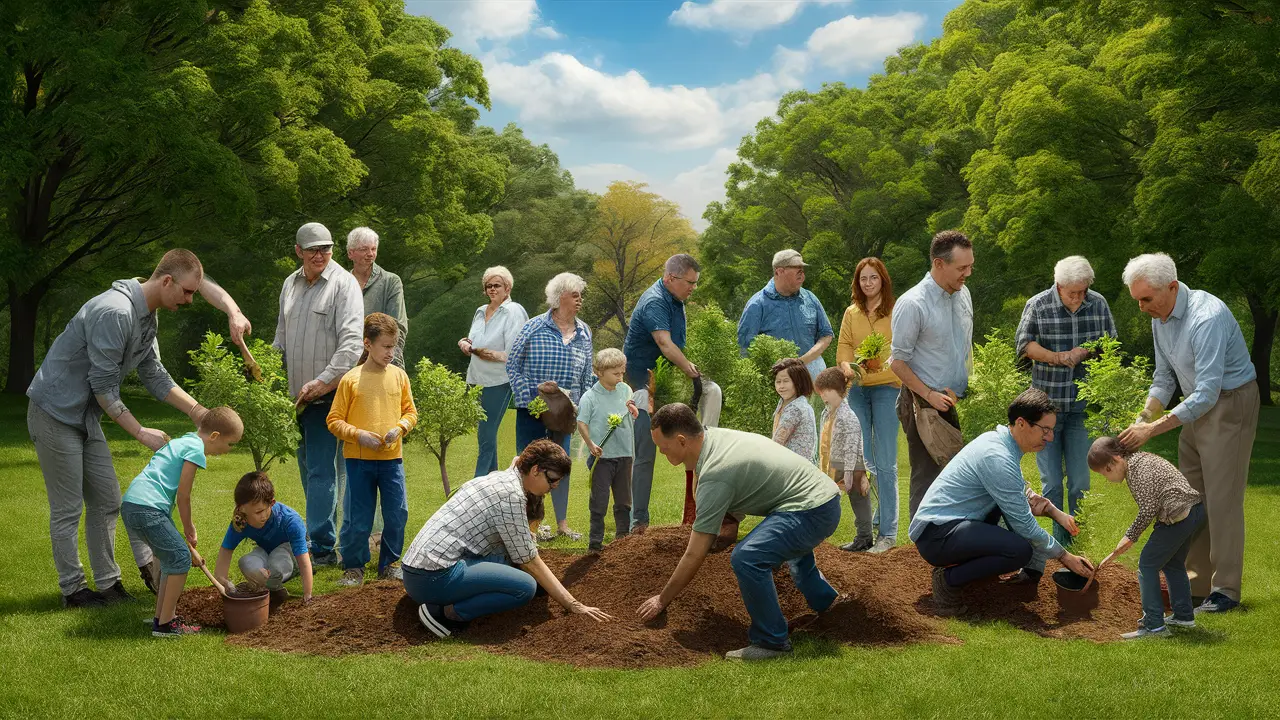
(374, 400)
(854, 328)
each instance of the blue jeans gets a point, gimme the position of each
(1070, 448)
(367, 480)
(474, 587)
(155, 527)
(876, 408)
(642, 470)
(530, 428)
(494, 400)
(318, 468)
(1166, 550)
(788, 537)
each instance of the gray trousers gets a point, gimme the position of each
(610, 474)
(278, 563)
(80, 480)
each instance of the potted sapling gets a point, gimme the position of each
(871, 351)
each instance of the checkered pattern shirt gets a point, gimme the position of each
(1048, 322)
(540, 354)
(485, 517)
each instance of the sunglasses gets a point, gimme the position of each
(553, 480)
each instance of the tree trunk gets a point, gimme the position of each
(1264, 335)
(444, 471)
(23, 309)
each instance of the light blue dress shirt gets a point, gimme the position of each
(1202, 346)
(985, 473)
(933, 334)
(498, 333)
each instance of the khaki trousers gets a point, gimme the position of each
(1213, 454)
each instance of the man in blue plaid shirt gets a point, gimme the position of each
(1055, 324)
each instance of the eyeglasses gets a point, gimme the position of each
(691, 283)
(493, 286)
(317, 251)
(553, 480)
(1044, 430)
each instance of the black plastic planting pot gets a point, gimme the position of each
(1072, 596)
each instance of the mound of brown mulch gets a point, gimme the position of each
(888, 603)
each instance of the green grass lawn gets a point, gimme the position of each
(102, 663)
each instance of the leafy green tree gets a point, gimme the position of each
(993, 385)
(447, 410)
(223, 126)
(749, 397)
(712, 343)
(270, 421)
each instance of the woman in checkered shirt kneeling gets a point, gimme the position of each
(476, 555)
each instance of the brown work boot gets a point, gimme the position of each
(946, 599)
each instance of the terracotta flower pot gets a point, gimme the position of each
(872, 365)
(245, 612)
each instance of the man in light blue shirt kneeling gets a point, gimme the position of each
(955, 528)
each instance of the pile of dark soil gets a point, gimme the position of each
(887, 603)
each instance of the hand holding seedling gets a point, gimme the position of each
(1077, 564)
(1067, 522)
(596, 450)
(369, 440)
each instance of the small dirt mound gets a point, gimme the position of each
(886, 602)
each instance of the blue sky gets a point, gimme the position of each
(661, 91)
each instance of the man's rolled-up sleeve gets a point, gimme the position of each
(905, 326)
(108, 337)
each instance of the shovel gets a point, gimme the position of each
(199, 561)
(1097, 569)
(252, 370)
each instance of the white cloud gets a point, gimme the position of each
(557, 93)
(861, 42)
(471, 21)
(741, 16)
(696, 187)
(596, 177)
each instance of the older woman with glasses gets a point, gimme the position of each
(494, 327)
(553, 347)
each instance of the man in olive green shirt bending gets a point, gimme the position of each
(746, 473)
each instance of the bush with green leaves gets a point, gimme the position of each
(1114, 391)
(993, 384)
(872, 347)
(712, 343)
(447, 409)
(270, 420)
(749, 397)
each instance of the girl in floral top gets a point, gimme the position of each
(794, 424)
(1164, 496)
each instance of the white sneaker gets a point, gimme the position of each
(1171, 620)
(883, 545)
(1145, 633)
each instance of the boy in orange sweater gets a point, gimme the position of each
(372, 410)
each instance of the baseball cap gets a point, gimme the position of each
(788, 258)
(313, 234)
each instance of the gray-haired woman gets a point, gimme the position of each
(494, 328)
(383, 291)
(555, 346)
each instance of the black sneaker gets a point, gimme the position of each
(151, 575)
(172, 629)
(946, 599)
(117, 594)
(862, 543)
(330, 558)
(432, 618)
(1217, 603)
(84, 597)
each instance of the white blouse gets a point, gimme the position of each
(497, 334)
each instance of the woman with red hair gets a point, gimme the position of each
(873, 393)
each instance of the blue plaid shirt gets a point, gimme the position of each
(1048, 322)
(540, 354)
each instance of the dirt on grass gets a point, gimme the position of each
(886, 602)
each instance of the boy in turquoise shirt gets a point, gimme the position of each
(610, 461)
(147, 508)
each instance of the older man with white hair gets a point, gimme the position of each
(383, 291)
(1055, 325)
(1199, 346)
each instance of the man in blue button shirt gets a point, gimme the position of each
(785, 310)
(956, 528)
(1199, 346)
(932, 348)
(656, 329)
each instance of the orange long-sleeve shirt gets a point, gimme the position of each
(375, 400)
(855, 328)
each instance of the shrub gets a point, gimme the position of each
(993, 384)
(712, 343)
(1114, 392)
(872, 347)
(749, 397)
(447, 409)
(270, 420)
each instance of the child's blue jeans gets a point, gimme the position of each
(366, 480)
(1166, 550)
(155, 527)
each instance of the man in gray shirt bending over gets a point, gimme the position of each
(112, 334)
